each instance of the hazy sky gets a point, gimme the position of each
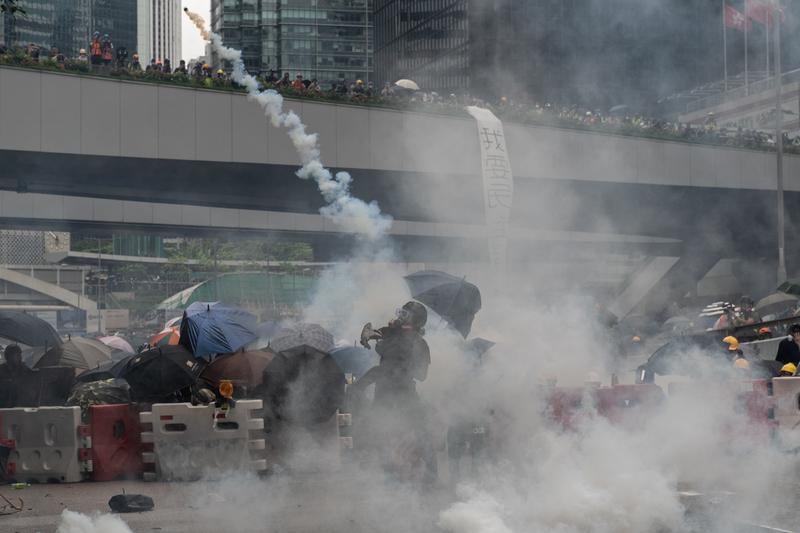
(193, 44)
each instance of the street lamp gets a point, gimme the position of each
(776, 19)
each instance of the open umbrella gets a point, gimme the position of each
(157, 375)
(107, 370)
(209, 328)
(355, 360)
(407, 84)
(302, 334)
(303, 385)
(79, 352)
(243, 368)
(168, 337)
(117, 343)
(775, 303)
(27, 329)
(450, 297)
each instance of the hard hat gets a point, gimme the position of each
(789, 368)
(636, 338)
(732, 342)
(359, 82)
(205, 65)
(220, 71)
(742, 363)
(82, 51)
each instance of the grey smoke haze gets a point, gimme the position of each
(602, 53)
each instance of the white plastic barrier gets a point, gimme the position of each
(786, 392)
(51, 445)
(190, 442)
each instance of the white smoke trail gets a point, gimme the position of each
(72, 522)
(351, 213)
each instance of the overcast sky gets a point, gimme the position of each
(193, 44)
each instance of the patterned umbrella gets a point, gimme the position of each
(302, 334)
(168, 337)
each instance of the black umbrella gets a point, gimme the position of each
(303, 385)
(158, 374)
(27, 329)
(450, 297)
(107, 370)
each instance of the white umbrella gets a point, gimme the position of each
(407, 84)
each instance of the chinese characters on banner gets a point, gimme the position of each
(498, 184)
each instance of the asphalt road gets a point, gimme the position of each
(329, 504)
(314, 503)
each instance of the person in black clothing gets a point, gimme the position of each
(405, 357)
(789, 349)
(11, 373)
(398, 427)
(13, 367)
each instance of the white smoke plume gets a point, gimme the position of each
(351, 213)
(72, 522)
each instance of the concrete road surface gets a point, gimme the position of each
(316, 503)
(338, 503)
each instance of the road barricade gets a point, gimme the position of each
(619, 403)
(116, 451)
(189, 442)
(751, 406)
(50, 444)
(786, 394)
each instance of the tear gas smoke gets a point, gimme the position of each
(351, 213)
(530, 477)
(72, 522)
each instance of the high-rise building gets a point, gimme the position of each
(329, 40)
(598, 52)
(69, 24)
(159, 30)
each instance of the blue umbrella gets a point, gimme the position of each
(210, 328)
(355, 360)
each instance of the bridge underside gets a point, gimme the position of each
(551, 217)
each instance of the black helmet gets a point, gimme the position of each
(418, 315)
(746, 300)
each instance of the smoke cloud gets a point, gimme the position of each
(351, 213)
(72, 522)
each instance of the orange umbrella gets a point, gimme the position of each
(243, 368)
(168, 337)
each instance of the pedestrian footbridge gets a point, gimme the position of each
(81, 151)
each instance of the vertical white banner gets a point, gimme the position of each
(498, 184)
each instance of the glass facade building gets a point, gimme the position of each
(427, 41)
(329, 40)
(601, 52)
(69, 24)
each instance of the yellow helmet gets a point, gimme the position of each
(741, 363)
(789, 368)
(732, 342)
